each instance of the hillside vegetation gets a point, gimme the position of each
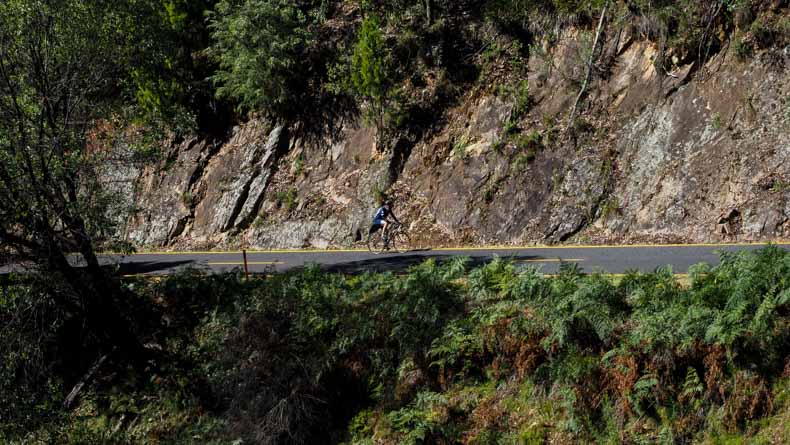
(184, 123)
(442, 354)
(301, 62)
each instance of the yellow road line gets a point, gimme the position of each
(470, 249)
(551, 260)
(622, 275)
(144, 275)
(250, 263)
(239, 252)
(609, 246)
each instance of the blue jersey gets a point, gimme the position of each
(381, 214)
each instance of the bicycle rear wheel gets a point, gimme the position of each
(376, 242)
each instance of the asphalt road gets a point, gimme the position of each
(611, 259)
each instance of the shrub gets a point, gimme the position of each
(779, 186)
(581, 126)
(519, 94)
(188, 199)
(530, 145)
(511, 127)
(762, 34)
(459, 147)
(298, 165)
(522, 100)
(523, 160)
(378, 194)
(609, 207)
(531, 141)
(743, 49)
(288, 199)
(30, 387)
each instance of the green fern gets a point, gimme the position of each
(459, 343)
(495, 280)
(692, 390)
(642, 393)
(417, 421)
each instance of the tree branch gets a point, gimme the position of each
(589, 65)
(86, 378)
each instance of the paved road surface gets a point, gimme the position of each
(612, 259)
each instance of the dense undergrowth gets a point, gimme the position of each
(442, 354)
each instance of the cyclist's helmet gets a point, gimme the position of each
(388, 203)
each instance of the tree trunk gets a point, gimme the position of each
(97, 293)
(428, 16)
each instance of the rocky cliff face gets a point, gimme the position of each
(698, 154)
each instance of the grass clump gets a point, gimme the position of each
(298, 165)
(460, 147)
(716, 121)
(528, 146)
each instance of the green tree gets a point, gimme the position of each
(59, 79)
(260, 46)
(368, 68)
(168, 73)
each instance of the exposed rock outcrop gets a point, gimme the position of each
(696, 154)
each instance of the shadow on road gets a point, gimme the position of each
(153, 267)
(402, 262)
(141, 268)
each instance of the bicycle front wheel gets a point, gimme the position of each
(400, 242)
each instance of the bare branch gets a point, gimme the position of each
(589, 65)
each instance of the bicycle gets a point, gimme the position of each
(397, 240)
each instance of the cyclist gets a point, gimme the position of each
(381, 220)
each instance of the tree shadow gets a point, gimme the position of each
(402, 262)
(153, 267)
(325, 118)
(115, 267)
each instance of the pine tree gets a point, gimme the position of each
(259, 45)
(368, 69)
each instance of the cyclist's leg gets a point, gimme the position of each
(384, 227)
(375, 227)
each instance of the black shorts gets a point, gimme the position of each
(375, 227)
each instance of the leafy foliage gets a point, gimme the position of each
(28, 383)
(58, 90)
(258, 45)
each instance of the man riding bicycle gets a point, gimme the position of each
(381, 220)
